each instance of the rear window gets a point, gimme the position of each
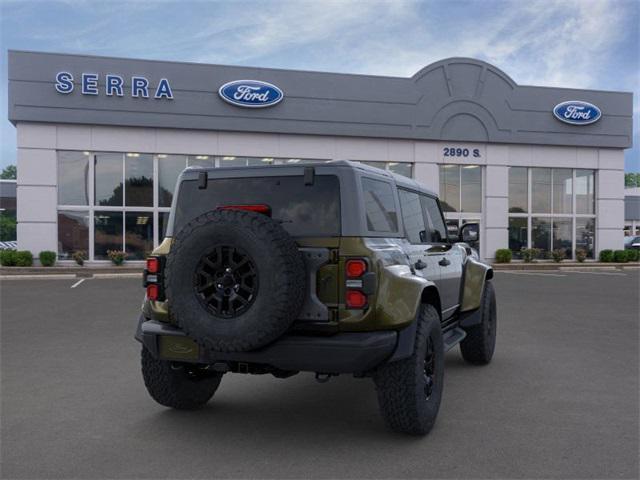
(380, 207)
(303, 210)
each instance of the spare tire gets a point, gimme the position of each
(234, 279)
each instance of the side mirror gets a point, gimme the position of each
(452, 232)
(470, 232)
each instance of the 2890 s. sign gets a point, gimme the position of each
(577, 112)
(250, 93)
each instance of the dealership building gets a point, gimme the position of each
(102, 140)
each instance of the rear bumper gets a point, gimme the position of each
(340, 353)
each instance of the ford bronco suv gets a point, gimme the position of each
(332, 268)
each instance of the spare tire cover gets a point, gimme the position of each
(235, 280)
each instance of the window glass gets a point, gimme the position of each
(450, 187)
(73, 178)
(541, 235)
(108, 233)
(255, 161)
(169, 167)
(200, 161)
(412, 216)
(231, 161)
(138, 174)
(562, 235)
(585, 235)
(163, 221)
(437, 231)
(108, 179)
(585, 192)
(380, 165)
(471, 184)
(517, 235)
(73, 233)
(518, 190)
(379, 206)
(541, 190)
(405, 169)
(138, 238)
(562, 190)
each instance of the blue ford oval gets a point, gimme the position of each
(250, 93)
(577, 112)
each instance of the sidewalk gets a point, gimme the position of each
(565, 266)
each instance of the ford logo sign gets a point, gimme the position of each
(576, 112)
(250, 93)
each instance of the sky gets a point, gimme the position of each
(562, 43)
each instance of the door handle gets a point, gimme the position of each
(419, 265)
(444, 262)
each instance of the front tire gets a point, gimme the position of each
(410, 390)
(478, 346)
(178, 385)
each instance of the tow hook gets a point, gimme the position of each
(323, 377)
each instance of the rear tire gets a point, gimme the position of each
(178, 385)
(478, 346)
(410, 390)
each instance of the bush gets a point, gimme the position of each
(47, 258)
(581, 254)
(558, 255)
(529, 254)
(7, 258)
(117, 256)
(24, 258)
(620, 256)
(633, 255)
(606, 256)
(503, 255)
(79, 256)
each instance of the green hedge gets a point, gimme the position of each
(47, 258)
(606, 256)
(633, 255)
(24, 258)
(620, 256)
(503, 255)
(8, 258)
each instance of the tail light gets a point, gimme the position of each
(152, 278)
(258, 208)
(355, 271)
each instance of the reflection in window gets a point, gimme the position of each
(517, 235)
(73, 233)
(73, 178)
(252, 162)
(108, 233)
(562, 190)
(412, 216)
(541, 235)
(437, 228)
(585, 196)
(518, 190)
(163, 222)
(562, 235)
(541, 190)
(169, 167)
(405, 169)
(450, 187)
(379, 206)
(138, 239)
(471, 188)
(108, 179)
(200, 161)
(585, 235)
(138, 172)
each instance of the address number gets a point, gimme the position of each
(460, 152)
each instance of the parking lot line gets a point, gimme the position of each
(512, 272)
(78, 283)
(598, 273)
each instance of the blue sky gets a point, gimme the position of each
(569, 43)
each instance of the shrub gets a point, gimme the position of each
(620, 256)
(558, 255)
(633, 255)
(606, 256)
(529, 254)
(24, 258)
(47, 258)
(8, 258)
(581, 254)
(503, 255)
(79, 256)
(117, 256)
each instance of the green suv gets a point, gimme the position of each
(332, 268)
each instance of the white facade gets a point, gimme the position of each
(38, 144)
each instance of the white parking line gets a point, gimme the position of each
(78, 283)
(532, 273)
(598, 273)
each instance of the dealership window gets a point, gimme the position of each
(405, 169)
(551, 209)
(121, 200)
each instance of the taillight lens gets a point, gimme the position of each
(356, 299)
(355, 268)
(153, 265)
(258, 208)
(153, 291)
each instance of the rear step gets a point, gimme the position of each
(452, 338)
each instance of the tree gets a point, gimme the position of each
(9, 172)
(632, 180)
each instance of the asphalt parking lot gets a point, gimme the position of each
(560, 399)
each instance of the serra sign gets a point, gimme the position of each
(113, 85)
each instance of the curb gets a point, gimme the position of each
(565, 266)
